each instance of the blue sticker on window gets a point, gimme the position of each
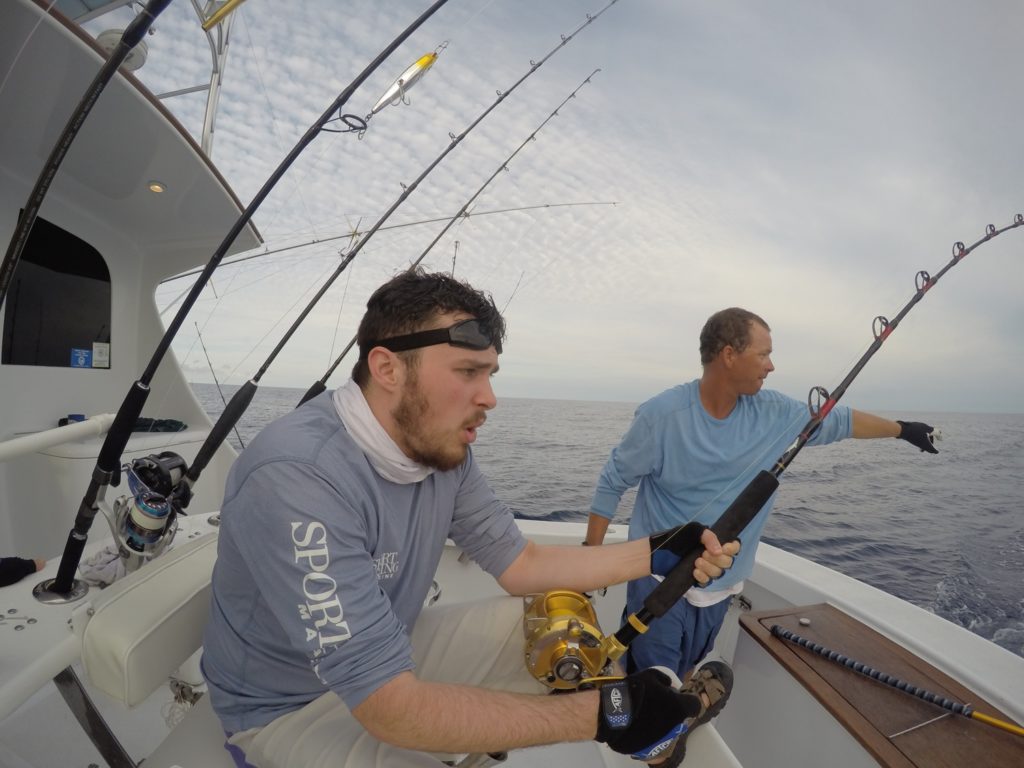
(81, 358)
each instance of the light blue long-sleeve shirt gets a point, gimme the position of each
(690, 465)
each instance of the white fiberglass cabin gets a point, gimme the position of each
(86, 681)
(80, 321)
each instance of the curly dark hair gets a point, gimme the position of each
(410, 302)
(727, 328)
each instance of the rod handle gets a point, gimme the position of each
(317, 388)
(225, 423)
(728, 527)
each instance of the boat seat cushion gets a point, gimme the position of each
(148, 623)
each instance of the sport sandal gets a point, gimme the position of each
(714, 680)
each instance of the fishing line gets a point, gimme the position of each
(513, 294)
(241, 399)
(277, 322)
(24, 45)
(273, 119)
(470, 18)
(341, 305)
(337, 322)
(108, 463)
(216, 382)
(262, 253)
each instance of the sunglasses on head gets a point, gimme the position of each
(466, 334)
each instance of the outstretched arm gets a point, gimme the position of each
(867, 425)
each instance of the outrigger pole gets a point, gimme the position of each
(894, 682)
(133, 33)
(356, 233)
(321, 385)
(750, 500)
(241, 399)
(108, 462)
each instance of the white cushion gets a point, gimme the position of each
(149, 622)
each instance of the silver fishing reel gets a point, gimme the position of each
(144, 522)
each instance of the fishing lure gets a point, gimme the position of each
(397, 90)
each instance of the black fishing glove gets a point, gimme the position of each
(642, 714)
(671, 546)
(14, 569)
(919, 434)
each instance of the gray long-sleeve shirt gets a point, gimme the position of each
(323, 566)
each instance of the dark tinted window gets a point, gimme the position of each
(57, 310)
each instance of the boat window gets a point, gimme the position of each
(57, 310)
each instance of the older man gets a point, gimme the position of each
(692, 449)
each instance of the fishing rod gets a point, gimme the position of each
(894, 682)
(356, 233)
(131, 37)
(107, 468)
(216, 381)
(753, 497)
(241, 399)
(319, 386)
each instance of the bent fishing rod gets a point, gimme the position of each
(321, 385)
(753, 497)
(107, 468)
(131, 37)
(966, 710)
(241, 399)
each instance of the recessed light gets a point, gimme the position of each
(156, 186)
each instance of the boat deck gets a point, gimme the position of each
(897, 729)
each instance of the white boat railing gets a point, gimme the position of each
(26, 444)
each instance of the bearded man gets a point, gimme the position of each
(319, 652)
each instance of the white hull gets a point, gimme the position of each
(99, 197)
(38, 730)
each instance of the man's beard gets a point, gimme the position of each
(424, 447)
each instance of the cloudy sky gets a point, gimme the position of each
(801, 159)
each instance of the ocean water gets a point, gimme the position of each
(944, 532)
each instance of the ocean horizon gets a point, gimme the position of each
(943, 532)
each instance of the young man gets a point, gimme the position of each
(692, 449)
(333, 523)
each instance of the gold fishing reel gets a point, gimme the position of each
(564, 645)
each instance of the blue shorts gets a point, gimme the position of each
(236, 754)
(678, 639)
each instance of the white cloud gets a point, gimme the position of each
(799, 159)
